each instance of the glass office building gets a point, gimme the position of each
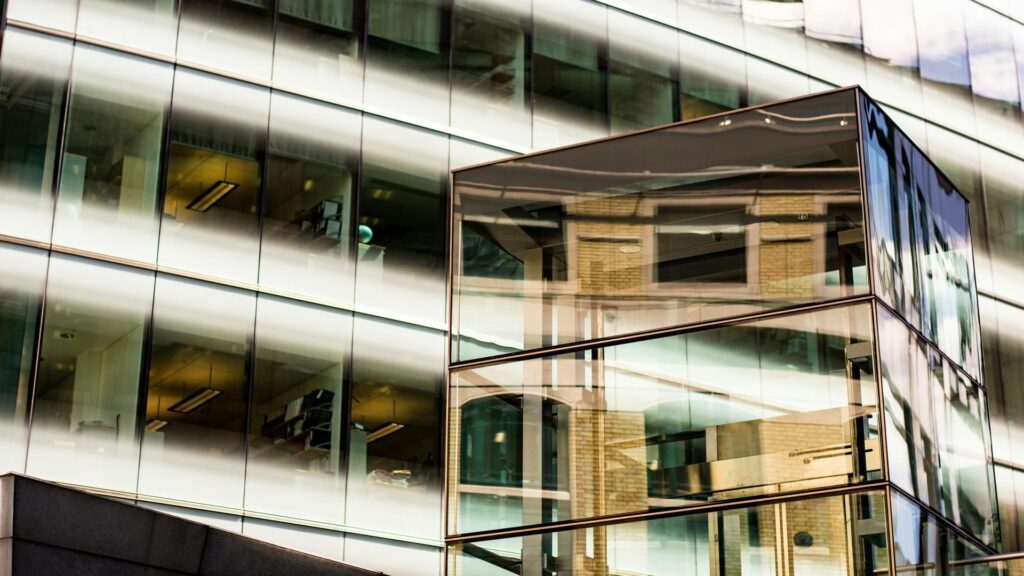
(223, 237)
(745, 344)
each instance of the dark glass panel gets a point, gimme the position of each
(22, 274)
(33, 77)
(307, 246)
(193, 449)
(394, 479)
(212, 196)
(295, 463)
(401, 252)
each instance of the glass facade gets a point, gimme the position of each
(249, 197)
(838, 364)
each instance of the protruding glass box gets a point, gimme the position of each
(772, 303)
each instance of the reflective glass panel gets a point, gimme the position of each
(307, 243)
(21, 289)
(770, 406)
(642, 73)
(215, 169)
(56, 14)
(316, 48)
(233, 35)
(831, 535)
(937, 431)
(149, 25)
(407, 61)
(402, 213)
(394, 470)
(193, 448)
(920, 241)
(890, 47)
(85, 427)
(110, 175)
(570, 40)
(490, 72)
(994, 77)
(33, 77)
(297, 434)
(712, 78)
(926, 546)
(685, 224)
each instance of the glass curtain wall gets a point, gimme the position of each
(770, 406)
(832, 535)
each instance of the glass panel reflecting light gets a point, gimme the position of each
(316, 48)
(33, 76)
(661, 229)
(773, 405)
(307, 222)
(85, 428)
(22, 272)
(394, 471)
(149, 25)
(831, 535)
(297, 434)
(214, 175)
(193, 448)
(110, 175)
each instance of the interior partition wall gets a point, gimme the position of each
(745, 344)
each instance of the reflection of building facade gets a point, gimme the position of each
(222, 229)
(777, 430)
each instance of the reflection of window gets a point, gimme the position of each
(489, 56)
(701, 244)
(493, 446)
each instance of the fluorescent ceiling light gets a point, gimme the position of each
(384, 431)
(194, 401)
(155, 425)
(212, 195)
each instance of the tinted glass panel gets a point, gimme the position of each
(921, 242)
(712, 78)
(110, 175)
(937, 431)
(194, 445)
(307, 243)
(212, 198)
(833, 535)
(681, 225)
(296, 440)
(33, 77)
(21, 290)
(774, 405)
(85, 427)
